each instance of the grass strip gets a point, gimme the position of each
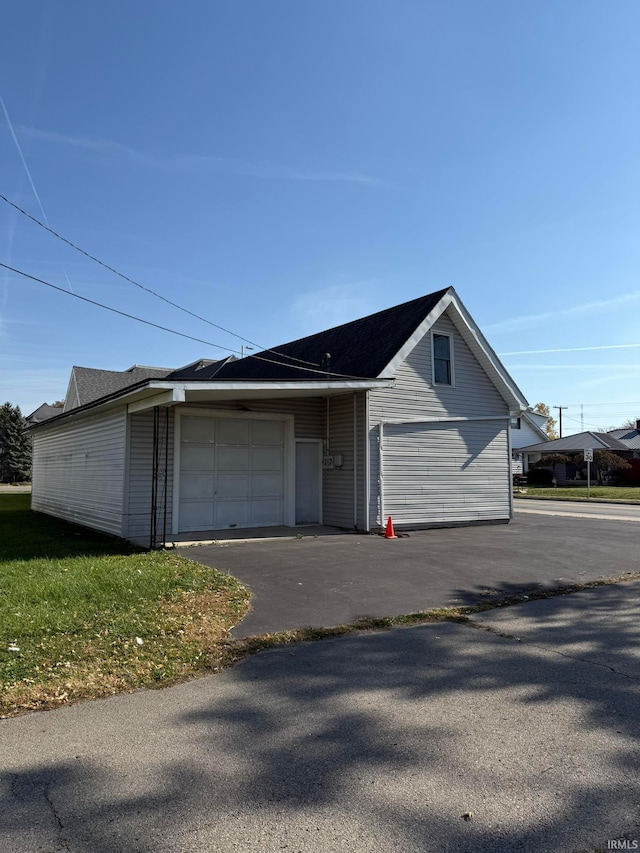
(84, 615)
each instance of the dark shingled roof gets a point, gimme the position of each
(579, 441)
(43, 413)
(361, 349)
(93, 384)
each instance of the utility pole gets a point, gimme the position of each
(581, 417)
(560, 408)
(243, 348)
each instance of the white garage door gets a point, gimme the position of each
(446, 472)
(231, 473)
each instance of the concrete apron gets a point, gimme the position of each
(235, 535)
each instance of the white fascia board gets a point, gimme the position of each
(418, 335)
(299, 385)
(165, 398)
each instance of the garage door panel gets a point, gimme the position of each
(266, 432)
(196, 515)
(231, 473)
(266, 459)
(231, 513)
(196, 486)
(197, 459)
(266, 485)
(233, 486)
(197, 430)
(263, 512)
(233, 458)
(232, 432)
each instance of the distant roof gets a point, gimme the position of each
(360, 349)
(631, 437)
(43, 413)
(579, 441)
(92, 384)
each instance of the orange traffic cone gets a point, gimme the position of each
(388, 533)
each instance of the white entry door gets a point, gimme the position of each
(231, 473)
(308, 482)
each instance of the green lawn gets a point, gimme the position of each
(84, 615)
(578, 493)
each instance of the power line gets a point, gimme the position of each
(324, 373)
(106, 266)
(109, 308)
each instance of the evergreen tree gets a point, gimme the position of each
(15, 446)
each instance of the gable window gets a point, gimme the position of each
(515, 423)
(441, 347)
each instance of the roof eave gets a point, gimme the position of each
(154, 392)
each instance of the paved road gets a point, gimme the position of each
(374, 743)
(578, 509)
(331, 580)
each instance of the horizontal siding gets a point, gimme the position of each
(338, 484)
(524, 436)
(308, 412)
(442, 474)
(138, 519)
(415, 398)
(78, 471)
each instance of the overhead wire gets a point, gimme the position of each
(325, 373)
(106, 266)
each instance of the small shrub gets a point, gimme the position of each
(539, 477)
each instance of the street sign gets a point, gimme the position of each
(588, 454)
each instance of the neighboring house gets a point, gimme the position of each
(43, 413)
(623, 442)
(527, 428)
(403, 413)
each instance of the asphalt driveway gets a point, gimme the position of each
(330, 580)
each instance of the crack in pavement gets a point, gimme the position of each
(491, 630)
(47, 798)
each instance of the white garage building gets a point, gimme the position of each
(404, 413)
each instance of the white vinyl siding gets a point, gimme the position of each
(524, 436)
(434, 474)
(414, 397)
(338, 490)
(78, 471)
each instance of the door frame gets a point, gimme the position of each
(288, 461)
(318, 442)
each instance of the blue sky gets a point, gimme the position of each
(281, 167)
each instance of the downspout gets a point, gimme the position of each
(355, 460)
(166, 475)
(381, 478)
(367, 465)
(510, 468)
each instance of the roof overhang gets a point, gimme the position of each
(476, 342)
(163, 393)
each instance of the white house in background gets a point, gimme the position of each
(405, 412)
(526, 428)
